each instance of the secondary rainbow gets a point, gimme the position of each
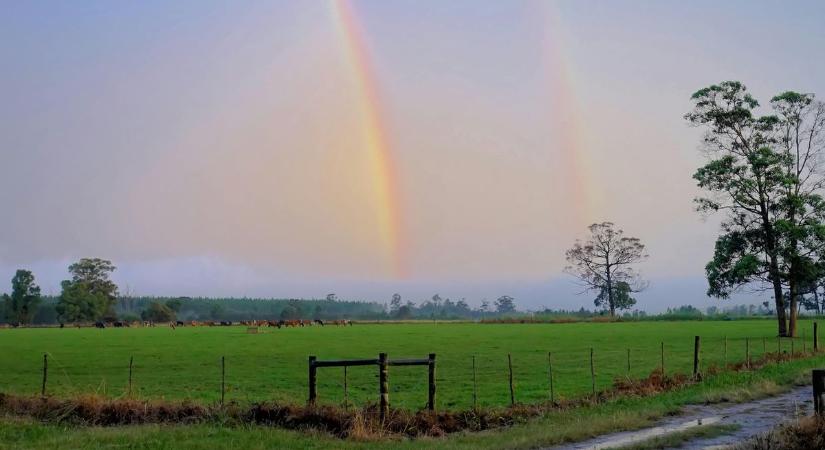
(382, 166)
(568, 128)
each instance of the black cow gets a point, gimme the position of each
(226, 323)
(179, 323)
(100, 324)
(319, 322)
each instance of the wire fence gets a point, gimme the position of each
(463, 381)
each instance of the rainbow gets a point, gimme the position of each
(568, 128)
(382, 166)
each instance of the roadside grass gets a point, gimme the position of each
(185, 363)
(556, 427)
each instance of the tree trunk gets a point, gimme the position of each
(610, 293)
(794, 294)
(777, 295)
(773, 269)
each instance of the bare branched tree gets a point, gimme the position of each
(604, 263)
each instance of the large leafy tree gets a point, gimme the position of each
(78, 303)
(800, 139)
(763, 173)
(605, 262)
(22, 304)
(90, 294)
(744, 178)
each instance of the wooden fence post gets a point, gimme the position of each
(223, 378)
(475, 387)
(550, 376)
(313, 381)
(628, 363)
(384, 389)
(592, 373)
(45, 374)
(512, 391)
(431, 391)
(818, 379)
(726, 351)
(816, 339)
(663, 360)
(696, 348)
(131, 358)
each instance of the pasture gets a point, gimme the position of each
(184, 363)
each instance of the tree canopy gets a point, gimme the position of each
(604, 263)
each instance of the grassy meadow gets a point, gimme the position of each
(185, 363)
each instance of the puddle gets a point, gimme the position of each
(753, 418)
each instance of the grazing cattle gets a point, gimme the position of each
(225, 323)
(100, 324)
(61, 325)
(271, 323)
(319, 322)
(179, 323)
(194, 323)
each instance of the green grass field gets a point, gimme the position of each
(185, 363)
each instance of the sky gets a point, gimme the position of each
(366, 147)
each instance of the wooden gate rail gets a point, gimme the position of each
(383, 363)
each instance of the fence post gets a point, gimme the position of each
(696, 348)
(592, 373)
(726, 351)
(131, 358)
(223, 378)
(384, 388)
(431, 370)
(818, 379)
(663, 360)
(628, 363)
(313, 381)
(475, 387)
(510, 367)
(45, 374)
(816, 339)
(550, 375)
(346, 394)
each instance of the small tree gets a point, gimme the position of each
(158, 312)
(174, 304)
(395, 303)
(91, 276)
(604, 263)
(505, 304)
(25, 297)
(621, 297)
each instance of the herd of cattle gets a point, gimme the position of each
(224, 323)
